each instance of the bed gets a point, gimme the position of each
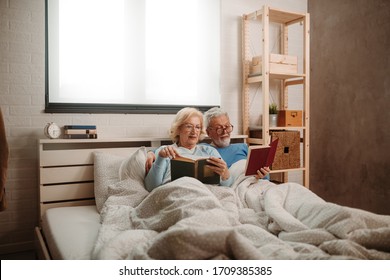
(99, 209)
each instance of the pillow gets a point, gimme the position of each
(134, 166)
(106, 168)
(238, 168)
(110, 169)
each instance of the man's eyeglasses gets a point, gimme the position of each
(220, 129)
(190, 127)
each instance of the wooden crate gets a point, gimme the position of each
(288, 150)
(278, 63)
(289, 118)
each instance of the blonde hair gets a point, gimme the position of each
(181, 117)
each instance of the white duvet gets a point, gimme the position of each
(186, 219)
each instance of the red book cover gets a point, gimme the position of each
(259, 157)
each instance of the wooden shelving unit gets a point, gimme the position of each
(285, 19)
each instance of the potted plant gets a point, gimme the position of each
(273, 114)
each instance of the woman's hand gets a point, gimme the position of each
(219, 166)
(168, 151)
(262, 172)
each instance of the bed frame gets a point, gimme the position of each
(66, 175)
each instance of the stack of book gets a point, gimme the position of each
(80, 132)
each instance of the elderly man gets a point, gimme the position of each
(218, 128)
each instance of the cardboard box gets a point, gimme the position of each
(278, 63)
(289, 118)
(288, 150)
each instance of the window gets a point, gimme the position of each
(132, 55)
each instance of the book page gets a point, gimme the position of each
(191, 157)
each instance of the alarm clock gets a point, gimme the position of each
(52, 130)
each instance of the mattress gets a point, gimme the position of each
(71, 232)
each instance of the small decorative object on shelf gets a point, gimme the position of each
(273, 115)
(277, 63)
(80, 132)
(273, 109)
(290, 118)
(288, 151)
(52, 130)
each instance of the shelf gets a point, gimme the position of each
(256, 141)
(286, 127)
(291, 78)
(252, 128)
(50, 144)
(278, 16)
(285, 17)
(288, 170)
(284, 75)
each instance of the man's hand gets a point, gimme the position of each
(262, 172)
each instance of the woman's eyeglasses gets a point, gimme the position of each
(190, 127)
(221, 129)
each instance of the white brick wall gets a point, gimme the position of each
(22, 102)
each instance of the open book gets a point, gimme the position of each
(259, 157)
(193, 166)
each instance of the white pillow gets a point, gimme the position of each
(110, 169)
(238, 168)
(106, 167)
(134, 166)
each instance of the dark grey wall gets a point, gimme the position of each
(350, 102)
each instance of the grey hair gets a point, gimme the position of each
(212, 113)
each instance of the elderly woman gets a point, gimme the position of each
(186, 132)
